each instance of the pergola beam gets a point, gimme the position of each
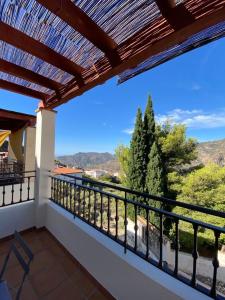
(167, 42)
(28, 44)
(28, 75)
(12, 87)
(82, 23)
(177, 15)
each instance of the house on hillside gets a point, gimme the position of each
(67, 173)
(96, 173)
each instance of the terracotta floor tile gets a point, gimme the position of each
(4, 247)
(47, 239)
(35, 246)
(58, 251)
(54, 274)
(27, 293)
(86, 285)
(46, 281)
(42, 260)
(98, 296)
(66, 291)
(69, 265)
(13, 261)
(13, 275)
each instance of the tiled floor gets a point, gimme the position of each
(54, 273)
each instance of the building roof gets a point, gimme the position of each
(11, 120)
(56, 50)
(64, 170)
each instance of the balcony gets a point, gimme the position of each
(91, 240)
(54, 274)
(93, 247)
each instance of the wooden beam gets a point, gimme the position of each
(28, 75)
(13, 115)
(82, 23)
(12, 87)
(26, 43)
(163, 44)
(177, 15)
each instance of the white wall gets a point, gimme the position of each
(29, 148)
(16, 217)
(44, 156)
(125, 276)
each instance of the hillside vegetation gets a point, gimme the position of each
(213, 151)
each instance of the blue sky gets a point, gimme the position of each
(189, 89)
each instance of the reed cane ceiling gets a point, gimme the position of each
(57, 50)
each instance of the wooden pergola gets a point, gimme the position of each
(11, 120)
(57, 50)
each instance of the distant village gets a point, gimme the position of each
(62, 169)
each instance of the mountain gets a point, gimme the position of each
(213, 151)
(88, 159)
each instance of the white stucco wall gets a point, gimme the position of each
(125, 276)
(16, 217)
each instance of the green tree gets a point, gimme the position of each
(177, 149)
(149, 132)
(136, 162)
(156, 179)
(204, 187)
(156, 182)
(122, 153)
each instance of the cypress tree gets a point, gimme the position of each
(156, 178)
(136, 172)
(149, 133)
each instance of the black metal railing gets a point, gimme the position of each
(7, 167)
(17, 188)
(117, 217)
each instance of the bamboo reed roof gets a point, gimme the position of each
(56, 50)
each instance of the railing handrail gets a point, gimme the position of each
(152, 197)
(19, 172)
(149, 207)
(94, 206)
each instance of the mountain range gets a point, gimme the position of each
(213, 151)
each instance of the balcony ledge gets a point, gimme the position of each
(125, 276)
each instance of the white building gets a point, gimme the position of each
(96, 173)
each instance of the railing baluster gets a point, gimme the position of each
(135, 227)
(101, 211)
(89, 205)
(74, 199)
(52, 179)
(79, 199)
(12, 191)
(95, 207)
(215, 264)
(160, 240)
(59, 191)
(147, 234)
(125, 224)
(176, 247)
(28, 189)
(84, 203)
(71, 197)
(3, 196)
(195, 255)
(116, 218)
(108, 215)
